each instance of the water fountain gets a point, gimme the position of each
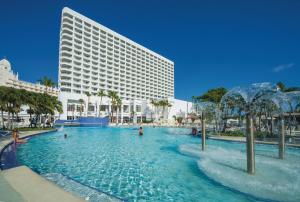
(61, 128)
(250, 95)
(204, 108)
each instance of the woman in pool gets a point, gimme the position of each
(140, 131)
(16, 137)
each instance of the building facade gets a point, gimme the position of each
(93, 58)
(10, 79)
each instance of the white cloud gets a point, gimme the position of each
(283, 67)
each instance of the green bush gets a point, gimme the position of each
(262, 134)
(233, 133)
(35, 129)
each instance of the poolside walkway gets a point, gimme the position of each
(7, 192)
(22, 184)
(35, 188)
(243, 139)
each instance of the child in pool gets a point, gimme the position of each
(140, 131)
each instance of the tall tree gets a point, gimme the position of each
(47, 82)
(164, 104)
(81, 102)
(155, 104)
(88, 94)
(3, 103)
(119, 105)
(213, 95)
(113, 97)
(101, 94)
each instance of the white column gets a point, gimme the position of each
(65, 109)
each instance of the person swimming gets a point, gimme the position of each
(65, 135)
(194, 131)
(140, 131)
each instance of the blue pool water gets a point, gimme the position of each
(164, 164)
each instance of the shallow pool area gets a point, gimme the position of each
(165, 164)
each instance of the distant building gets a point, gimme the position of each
(10, 79)
(92, 57)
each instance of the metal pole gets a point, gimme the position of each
(203, 131)
(272, 125)
(250, 144)
(282, 140)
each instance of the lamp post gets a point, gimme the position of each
(203, 131)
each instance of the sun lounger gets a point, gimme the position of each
(5, 134)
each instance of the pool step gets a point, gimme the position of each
(80, 190)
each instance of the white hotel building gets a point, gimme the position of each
(93, 58)
(11, 79)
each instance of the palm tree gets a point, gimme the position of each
(14, 102)
(88, 94)
(113, 96)
(12, 99)
(3, 103)
(101, 94)
(81, 101)
(119, 104)
(155, 104)
(164, 104)
(169, 105)
(47, 82)
(132, 114)
(161, 103)
(30, 101)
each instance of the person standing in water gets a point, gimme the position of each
(15, 135)
(65, 135)
(140, 131)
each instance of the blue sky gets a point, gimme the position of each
(213, 43)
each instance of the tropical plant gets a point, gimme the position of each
(213, 95)
(118, 105)
(3, 104)
(179, 120)
(164, 104)
(12, 99)
(155, 105)
(88, 94)
(47, 82)
(113, 97)
(81, 102)
(101, 94)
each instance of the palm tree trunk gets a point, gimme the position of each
(80, 110)
(100, 106)
(117, 114)
(30, 113)
(2, 117)
(8, 120)
(12, 121)
(112, 113)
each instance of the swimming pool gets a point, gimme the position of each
(164, 164)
